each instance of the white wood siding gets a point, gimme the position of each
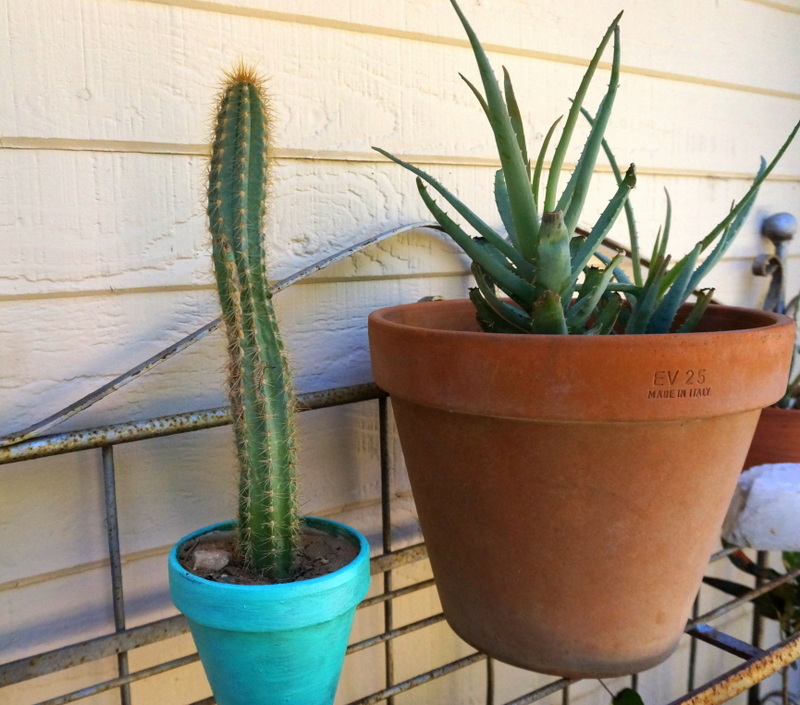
(103, 133)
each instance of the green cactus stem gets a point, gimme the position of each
(259, 384)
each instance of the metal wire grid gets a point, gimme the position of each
(757, 665)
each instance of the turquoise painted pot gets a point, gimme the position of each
(273, 644)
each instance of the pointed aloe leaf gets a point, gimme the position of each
(608, 316)
(514, 317)
(574, 198)
(604, 223)
(537, 170)
(478, 95)
(624, 283)
(633, 233)
(482, 228)
(746, 200)
(548, 315)
(660, 245)
(703, 300)
(518, 289)
(724, 243)
(583, 308)
(488, 318)
(647, 302)
(661, 320)
(504, 206)
(515, 169)
(526, 272)
(516, 118)
(572, 118)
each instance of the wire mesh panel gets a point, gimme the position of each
(757, 662)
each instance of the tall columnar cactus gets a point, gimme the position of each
(259, 384)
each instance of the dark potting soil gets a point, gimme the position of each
(213, 556)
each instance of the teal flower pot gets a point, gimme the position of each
(273, 644)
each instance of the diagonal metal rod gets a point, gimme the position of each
(202, 332)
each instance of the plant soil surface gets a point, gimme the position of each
(213, 556)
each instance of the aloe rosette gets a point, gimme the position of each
(534, 275)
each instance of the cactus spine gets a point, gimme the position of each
(259, 385)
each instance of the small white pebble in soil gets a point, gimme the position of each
(206, 560)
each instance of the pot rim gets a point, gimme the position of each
(271, 607)
(432, 354)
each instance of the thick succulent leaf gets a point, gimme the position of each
(724, 242)
(488, 318)
(732, 222)
(572, 118)
(537, 170)
(647, 302)
(516, 118)
(504, 206)
(548, 315)
(512, 160)
(514, 318)
(518, 289)
(607, 318)
(604, 223)
(703, 300)
(481, 227)
(633, 233)
(667, 309)
(597, 281)
(574, 198)
(624, 284)
(554, 253)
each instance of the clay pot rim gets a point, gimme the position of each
(742, 318)
(433, 354)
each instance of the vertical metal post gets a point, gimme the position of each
(489, 681)
(387, 490)
(115, 558)
(757, 633)
(693, 648)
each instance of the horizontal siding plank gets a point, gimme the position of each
(79, 223)
(128, 71)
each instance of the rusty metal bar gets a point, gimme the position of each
(91, 650)
(123, 680)
(747, 597)
(390, 634)
(557, 686)
(725, 642)
(739, 679)
(421, 679)
(404, 556)
(104, 646)
(174, 349)
(169, 425)
(115, 562)
(387, 491)
(399, 592)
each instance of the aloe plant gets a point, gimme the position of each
(548, 278)
(259, 384)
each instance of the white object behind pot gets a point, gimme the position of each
(765, 511)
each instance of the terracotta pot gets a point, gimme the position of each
(571, 488)
(777, 438)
